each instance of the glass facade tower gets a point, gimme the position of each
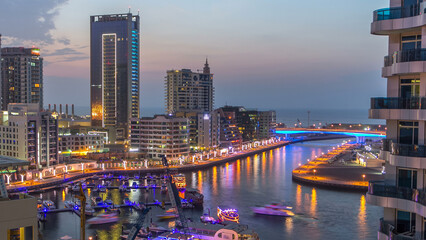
(114, 70)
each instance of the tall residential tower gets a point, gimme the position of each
(21, 75)
(403, 193)
(114, 70)
(188, 91)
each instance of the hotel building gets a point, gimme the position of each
(159, 136)
(188, 91)
(21, 75)
(403, 193)
(114, 71)
(28, 133)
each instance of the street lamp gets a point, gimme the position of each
(363, 177)
(315, 171)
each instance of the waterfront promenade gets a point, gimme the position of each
(328, 171)
(203, 164)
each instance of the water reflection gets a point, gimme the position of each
(298, 197)
(313, 202)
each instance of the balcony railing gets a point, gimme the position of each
(411, 55)
(398, 103)
(389, 230)
(407, 150)
(410, 194)
(396, 12)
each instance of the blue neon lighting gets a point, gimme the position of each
(352, 134)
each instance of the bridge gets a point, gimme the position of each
(360, 135)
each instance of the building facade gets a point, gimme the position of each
(114, 70)
(204, 129)
(22, 76)
(28, 133)
(159, 136)
(188, 91)
(229, 134)
(267, 124)
(402, 194)
(81, 144)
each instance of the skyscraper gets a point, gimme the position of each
(402, 194)
(114, 70)
(188, 91)
(22, 76)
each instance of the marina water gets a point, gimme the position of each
(258, 180)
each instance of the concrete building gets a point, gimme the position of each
(402, 194)
(160, 135)
(204, 129)
(28, 133)
(18, 218)
(22, 76)
(267, 124)
(188, 91)
(114, 71)
(229, 134)
(81, 144)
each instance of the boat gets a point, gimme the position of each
(69, 204)
(186, 205)
(103, 219)
(135, 185)
(156, 229)
(194, 196)
(109, 202)
(278, 206)
(230, 215)
(163, 189)
(180, 181)
(40, 205)
(76, 187)
(169, 214)
(49, 204)
(97, 201)
(124, 188)
(206, 218)
(230, 231)
(266, 210)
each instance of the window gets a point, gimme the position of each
(405, 222)
(409, 88)
(407, 178)
(411, 42)
(408, 132)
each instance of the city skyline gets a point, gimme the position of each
(266, 58)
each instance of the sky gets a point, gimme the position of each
(265, 54)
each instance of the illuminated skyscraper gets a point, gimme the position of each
(114, 70)
(22, 76)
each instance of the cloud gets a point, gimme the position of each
(64, 41)
(64, 51)
(29, 20)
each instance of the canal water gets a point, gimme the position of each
(257, 180)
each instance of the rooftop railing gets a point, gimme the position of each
(396, 12)
(398, 103)
(411, 55)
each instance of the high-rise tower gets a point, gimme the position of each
(114, 70)
(188, 91)
(22, 76)
(403, 193)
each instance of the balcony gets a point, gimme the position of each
(405, 56)
(396, 13)
(406, 150)
(405, 199)
(398, 108)
(387, 229)
(388, 20)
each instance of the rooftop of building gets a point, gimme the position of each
(6, 162)
(112, 17)
(20, 51)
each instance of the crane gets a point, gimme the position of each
(139, 224)
(82, 199)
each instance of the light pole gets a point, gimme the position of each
(315, 171)
(363, 177)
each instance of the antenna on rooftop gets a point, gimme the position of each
(129, 8)
(138, 12)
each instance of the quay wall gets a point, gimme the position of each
(59, 182)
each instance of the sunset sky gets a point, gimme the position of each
(264, 54)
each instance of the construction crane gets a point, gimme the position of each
(82, 199)
(174, 196)
(139, 224)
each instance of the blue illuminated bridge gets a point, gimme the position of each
(358, 134)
